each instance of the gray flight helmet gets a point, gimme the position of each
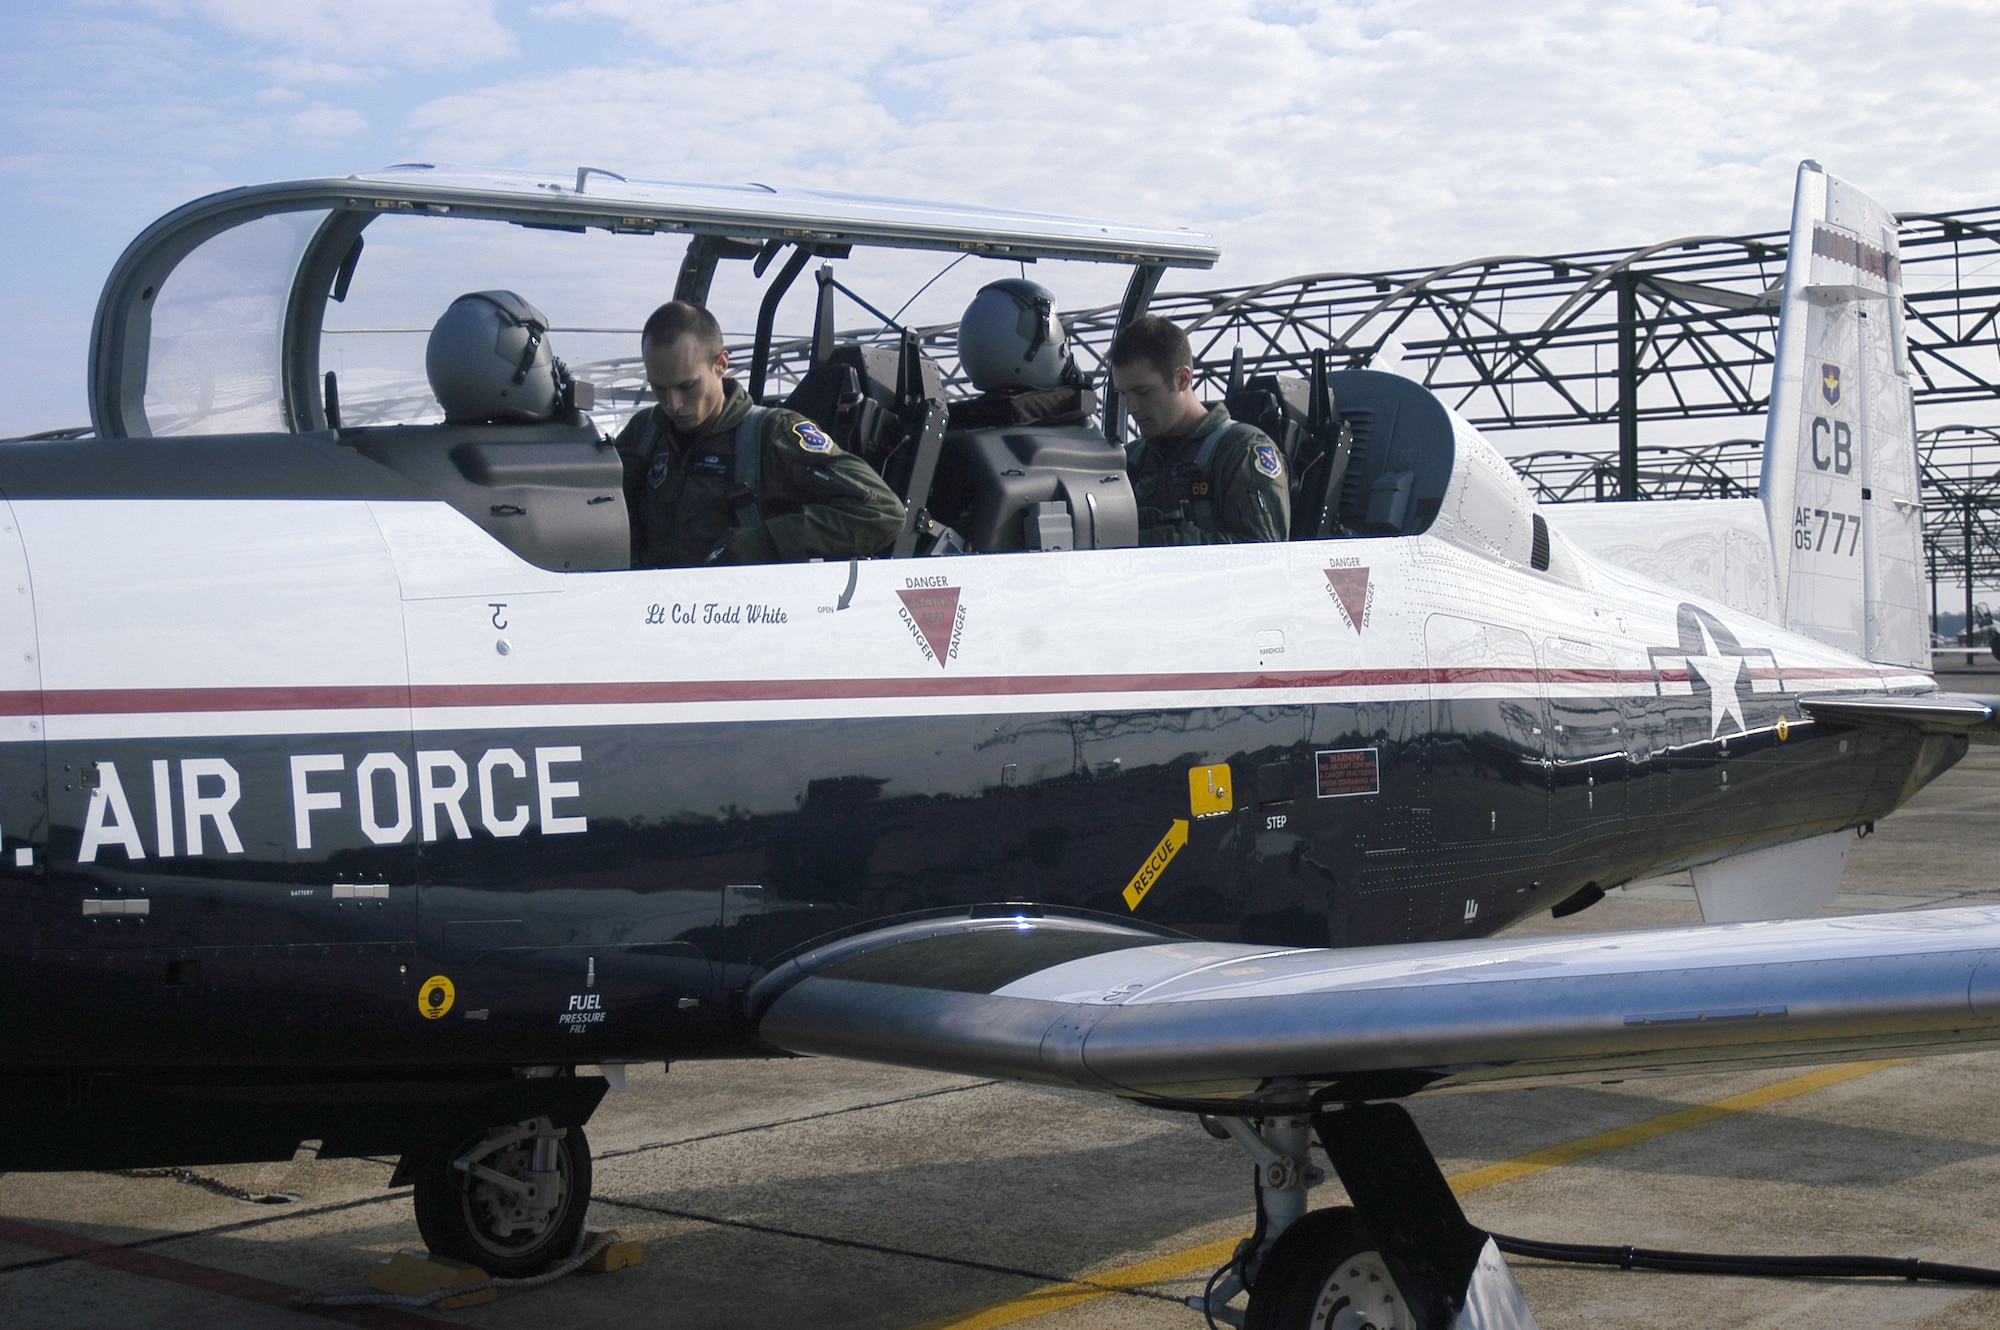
(1010, 337)
(489, 359)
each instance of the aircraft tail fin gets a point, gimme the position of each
(1840, 462)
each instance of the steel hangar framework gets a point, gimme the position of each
(1680, 330)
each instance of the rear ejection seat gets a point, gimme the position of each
(1024, 466)
(1028, 469)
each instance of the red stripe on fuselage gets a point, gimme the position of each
(160, 701)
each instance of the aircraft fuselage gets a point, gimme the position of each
(289, 742)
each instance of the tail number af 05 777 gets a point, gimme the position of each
(1810, 526)
(502, 789)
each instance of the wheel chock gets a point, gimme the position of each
(417, 1276)
(617, 1254)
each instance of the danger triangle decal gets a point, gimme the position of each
(933, 613)
(1350, 591)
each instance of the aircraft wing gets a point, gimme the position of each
(1108, 1007)
(1974, 716)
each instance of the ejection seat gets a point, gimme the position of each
(867, 402)
(1370, 453)
(553, 492)
(886, 405)
(535, 474)
(1028, 469)
(1400, 453)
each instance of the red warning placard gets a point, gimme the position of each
(932, 613)
(1343, 772)
(1349, 588)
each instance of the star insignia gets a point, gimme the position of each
(1721, 674)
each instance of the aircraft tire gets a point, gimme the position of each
(1324, 1273)
(465, 1219)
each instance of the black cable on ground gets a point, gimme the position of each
(883, 1249)
(1769, 1267)
(788, 1122)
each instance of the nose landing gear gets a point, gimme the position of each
(509, 1200)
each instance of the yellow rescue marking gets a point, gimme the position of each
(1156, 863)
(1784, 729)
(1179, 1265)
(1210, 792)
(434, 999)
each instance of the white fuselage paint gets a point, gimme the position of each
(179, 621)
(365, 618)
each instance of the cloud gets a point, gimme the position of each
(1387, 131)
(329, 122)
(337, 33)
(1307, 137)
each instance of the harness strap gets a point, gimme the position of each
(1210, 441)
(1204, 456)
(656, 434)
(748, 465)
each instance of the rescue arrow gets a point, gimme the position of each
(1156, 863)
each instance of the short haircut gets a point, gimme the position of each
(677, 319)
(1152, 341)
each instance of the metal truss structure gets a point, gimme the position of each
(1683, 329)
(1726, 470)
(1961, 490)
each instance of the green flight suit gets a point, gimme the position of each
(1241, 494)
(688, 507)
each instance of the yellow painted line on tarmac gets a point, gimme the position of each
(1159, 1269)
(1180, 1264)
(1492, 1175)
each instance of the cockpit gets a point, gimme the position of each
(222, 318)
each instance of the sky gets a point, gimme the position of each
(1303, 137)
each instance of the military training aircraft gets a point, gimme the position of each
(355, 788)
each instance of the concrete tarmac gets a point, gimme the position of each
(829, 1194)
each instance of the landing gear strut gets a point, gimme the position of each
(1403, 1257)
(509, 1200)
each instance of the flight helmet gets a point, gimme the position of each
(489, 359)
(1010, 337)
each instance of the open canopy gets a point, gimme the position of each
(246, 315)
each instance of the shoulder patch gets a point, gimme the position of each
(1265, 456)
(812, 438)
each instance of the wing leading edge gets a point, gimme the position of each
(1211, 1025)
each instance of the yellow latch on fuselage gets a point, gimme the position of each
(1211, 792)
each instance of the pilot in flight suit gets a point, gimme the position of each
(693, 500)
(1200, 477)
